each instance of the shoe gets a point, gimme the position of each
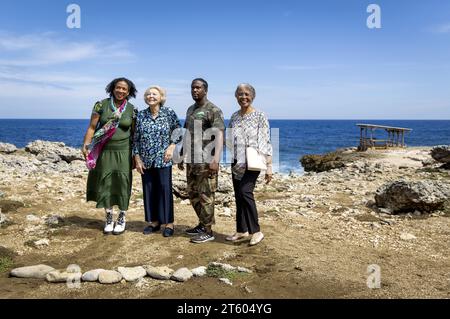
(120, 224)
(109, 225)
(236, 236)
(151, 229)
(168, 232)
(202, 237)
(196, 230)
(256, 238)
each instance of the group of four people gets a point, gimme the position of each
(119, 138)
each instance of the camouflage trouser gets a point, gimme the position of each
(201, 189)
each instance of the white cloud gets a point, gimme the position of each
(47, 49)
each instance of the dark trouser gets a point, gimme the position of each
(246, 213)
(158, 199)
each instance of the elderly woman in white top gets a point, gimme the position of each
(250, 127)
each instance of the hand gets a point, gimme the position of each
(269, 175)
(168, 154)
(213, 168)
(181, 166)
(139, 165)
(84, 151)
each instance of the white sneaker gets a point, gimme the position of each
(256, 238)
(109, 225)
(120, 224)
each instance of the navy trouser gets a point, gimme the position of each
(246, 213)
(158, 199)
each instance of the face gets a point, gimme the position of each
(121, 91)
(198, 91)
(153, 97)
(244, 97)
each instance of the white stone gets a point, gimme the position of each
(162, 272)
(37, 271)
(182, 274)
(226, 281)
(92, 275)
(63, 276)
(42, 242)
(109, 277)
(243, 269)
(132, 273)
(406, 236)
(226, 212)
(199, 271)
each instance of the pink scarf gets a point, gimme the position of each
(104, 134)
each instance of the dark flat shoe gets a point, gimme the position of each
(151, 229)
(168, 232)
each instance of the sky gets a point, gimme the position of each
(306, 59)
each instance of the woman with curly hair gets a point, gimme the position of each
(107, 150)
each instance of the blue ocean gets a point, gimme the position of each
(296, 137)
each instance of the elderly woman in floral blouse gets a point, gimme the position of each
(153, 151)
(250, 127)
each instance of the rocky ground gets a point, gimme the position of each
(324, 233)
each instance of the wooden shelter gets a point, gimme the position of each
(395, 136)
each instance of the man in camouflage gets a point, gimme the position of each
(202, 152)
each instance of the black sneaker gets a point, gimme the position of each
(196, 230)
(203, 237)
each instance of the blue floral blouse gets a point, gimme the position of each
(153, 136)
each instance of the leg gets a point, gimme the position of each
(165, 202)
(245, 190)
(207, 188)
(241, 223)
(193, 192)
(147, 191)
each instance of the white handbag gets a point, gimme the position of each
(255, 160)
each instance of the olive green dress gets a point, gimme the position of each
(109, 183)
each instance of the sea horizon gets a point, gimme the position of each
(291, 138)
(277, 119)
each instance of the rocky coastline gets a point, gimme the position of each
(348, 211)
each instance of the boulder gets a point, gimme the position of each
(132, 273)
(403, 196)
(441, 153)
(63, 276)
(199, 271)
(321, 163)
(37, 271)
(53, 151)
(109, 277)
(162, 273)
(182, 275)
(7, 148)
(92, 275)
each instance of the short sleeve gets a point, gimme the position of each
(98, 108)
(218, 120)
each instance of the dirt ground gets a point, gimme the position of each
(317, 255)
